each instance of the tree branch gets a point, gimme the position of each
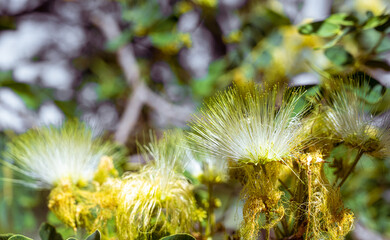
(131, 114)
(141, 94)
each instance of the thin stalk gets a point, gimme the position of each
(210, 211)
(8, 195)
(308, 200)
(279, 233)
(301, 198)
(267, 233)
(378, 43)
(200, 229)
(350, 170)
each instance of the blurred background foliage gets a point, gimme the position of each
(62, 59)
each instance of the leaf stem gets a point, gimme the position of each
(378, 43)
(350, 170)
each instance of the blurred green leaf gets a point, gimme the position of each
(120, 41)
(163, 39)
(384, 26)
(5, 76)
(275, 38)
(263, 59)
(180, 236)
(342, 19)
(322, 29)
(94, 236)
(6, 236)
(339, 56)
(32, 96)
(48, 232)
(143, 16)
(69, 108)
(19, 237)
(335, 40)
(372, 95)
(204, 87)
(375, 21)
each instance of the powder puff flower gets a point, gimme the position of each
(248, 127)
(206, 166)
(349, 120)
(158, 200)
(51, 155)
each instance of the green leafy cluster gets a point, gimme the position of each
(340, 26)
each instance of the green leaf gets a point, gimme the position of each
(342, 19)
(376, 21)
(5, 76)
(179, 236)
(339, 56)
(30, 97)
(94, 236)
(338, 38)
(383, 27)
(309, 28)
(119, 41)
(204, 87)
(163, 39)
(144, 16)
(322, 29)
(6, 236)
(69, 108)
(375, 94)
(19, 237)
(48, 232)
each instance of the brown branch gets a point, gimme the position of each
(125, 55)
(141, 94)
(131, 114)
(163, 107)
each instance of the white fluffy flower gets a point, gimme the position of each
(247, 126)
(349, 120)
(49, 155)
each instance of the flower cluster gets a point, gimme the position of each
(269, 139)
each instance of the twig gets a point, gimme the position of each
(141, 94)
(130, 115)
(163, 107)
(125, 55)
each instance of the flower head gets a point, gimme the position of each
(348, 118)
(158, 200)
(247, 126)
(51, 155)
(206, 166)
